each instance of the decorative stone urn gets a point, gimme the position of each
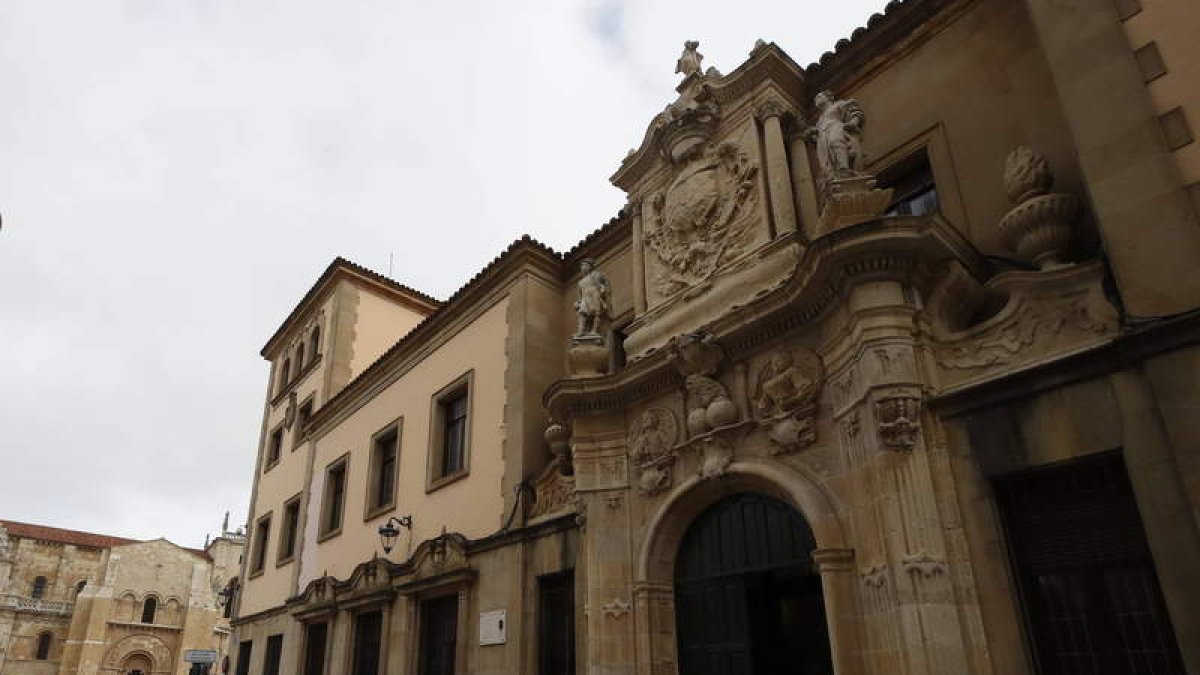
(1039, 227)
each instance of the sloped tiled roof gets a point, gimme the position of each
(60, 535)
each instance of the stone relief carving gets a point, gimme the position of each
(553, 491)
(651, 446)
(874, 576)
(1034, 319)
(716, 454)
(704, 218)
(1039, 226)
(689, 62)
(923, 564)
(899, 420)
(615, 608)
(785, 395)
(706, 400)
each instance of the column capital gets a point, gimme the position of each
(771, 107)
(834, 559)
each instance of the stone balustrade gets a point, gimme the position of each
(40, 606)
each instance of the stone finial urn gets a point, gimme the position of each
(1040, 225)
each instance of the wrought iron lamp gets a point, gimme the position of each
(388, 531)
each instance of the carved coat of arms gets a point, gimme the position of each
(704, 218)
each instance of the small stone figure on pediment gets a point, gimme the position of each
(837, 134)
(593, 304)
(689, 61)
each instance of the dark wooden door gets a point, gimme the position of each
(556, 624)
(314, 648)
(368, 634)
(747, 599)
(1089, 590)
(439, 635)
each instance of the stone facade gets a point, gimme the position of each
(862, 306)
(77, 603)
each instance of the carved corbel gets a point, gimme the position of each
(923, 564)
(898, 416)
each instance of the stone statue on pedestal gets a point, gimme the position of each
(593, 304)
(837, 134)
(689, 61)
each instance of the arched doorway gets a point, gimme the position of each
(747, 596)
(137, 664)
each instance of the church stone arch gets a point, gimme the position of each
(654, 572)
(147, 646)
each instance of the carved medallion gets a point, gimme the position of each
(785, 394)
(704, 218)
(651, 446)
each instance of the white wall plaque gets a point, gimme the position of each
(492, 627)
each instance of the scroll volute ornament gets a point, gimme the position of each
(785, 395)
(1040, 225)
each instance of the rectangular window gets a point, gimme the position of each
(274, 654)
(303, 417)
(290, 531)
(335, 497)
(368, 631)
(915, 192)
(381, 484)
(556, 624)
(451, 433)
(274, 448)
(245, 647)
(314, 648)
(262, 532)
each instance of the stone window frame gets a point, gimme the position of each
(280, 558)
(38, 590)
(41, 648)
(366, 605)
(330, 620)
(270, 461)
(457, 585)
(371, 510)
(326, 532)
(435, 478)
(152, 610)
(933, 141)
(259, 545)
(309, 402)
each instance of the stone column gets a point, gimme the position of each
(639, 259)
(1148, 226)
(836, 566)
(805, 187)
(654, 615)
(1163, 503)
(779, 184)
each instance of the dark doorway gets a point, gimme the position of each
(556, 624)
(314, 648)
(439, 635)
(368, 631)
(747, 598)
(1089, 590)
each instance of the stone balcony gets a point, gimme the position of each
(38, 606)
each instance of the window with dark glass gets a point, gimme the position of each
(149, 607)
(454, 443)
(335, 496)
(368, 633)
(302, 419)
(273, 654)
(300, 359)
(274, 448)
(914, 190)
(262, 533)
(291, 529)
(43, 647)
(315, 635)
(285, 374)
(39, 588)
(314, 348)
(245, 648)
(385, 450)
(79, 586)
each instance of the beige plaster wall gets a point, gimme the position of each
(971, 93)
(381, 322)
(472, 506)
(1175, 28)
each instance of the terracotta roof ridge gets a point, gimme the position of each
(383, 278)
(875, 24)
(64, 535)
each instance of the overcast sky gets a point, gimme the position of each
(175, 174)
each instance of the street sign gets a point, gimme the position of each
(200, 655)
